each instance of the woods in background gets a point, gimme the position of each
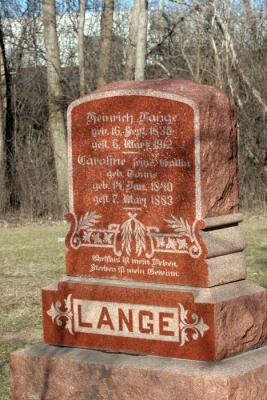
(51, 52)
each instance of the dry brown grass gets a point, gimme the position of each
(31, 258)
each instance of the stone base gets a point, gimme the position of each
(49, 372)
(205, 324)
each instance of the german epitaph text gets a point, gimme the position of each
(134, 169)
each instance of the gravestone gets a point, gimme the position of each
(142, 170)
(155, 262)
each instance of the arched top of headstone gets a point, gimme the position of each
(148, 161)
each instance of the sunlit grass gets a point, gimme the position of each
(255, 233)
(31, 257)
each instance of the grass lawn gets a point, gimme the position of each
(31, 257)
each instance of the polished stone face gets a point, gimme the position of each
(167, 320)
(137, 159)
(129, 319)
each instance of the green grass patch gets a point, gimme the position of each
(32, 258)
(255, 233)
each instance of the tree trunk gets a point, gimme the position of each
(81, 47)
(55, 101)
(252, 20)
(106, 41)
(129, 66)
(141, 42)
(6, 132)
(235, 61)
(2, 125)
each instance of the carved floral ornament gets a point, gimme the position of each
(134, 235)
(56, 314)
(197, 327)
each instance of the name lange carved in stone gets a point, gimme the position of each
(136, 321)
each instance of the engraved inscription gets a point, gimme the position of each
(136, 137)
(138, 321)
(134, 163)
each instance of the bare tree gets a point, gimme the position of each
(2, 119)
(212, 42)
(134, 67)
(55, 101)
(129, 65)
(81, 46)
(106, 40)
(234, 57)
(251, 18)
(7, 144)
(141, 42)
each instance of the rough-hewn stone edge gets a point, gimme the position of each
(228, 292)
(122, 376)
(215, 294)
(226, 368)
(223, 220)
(220, 242)
(240, 323)
(227, 268)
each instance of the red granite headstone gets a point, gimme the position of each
(144, 174)
(153, 198)
(137, 162)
